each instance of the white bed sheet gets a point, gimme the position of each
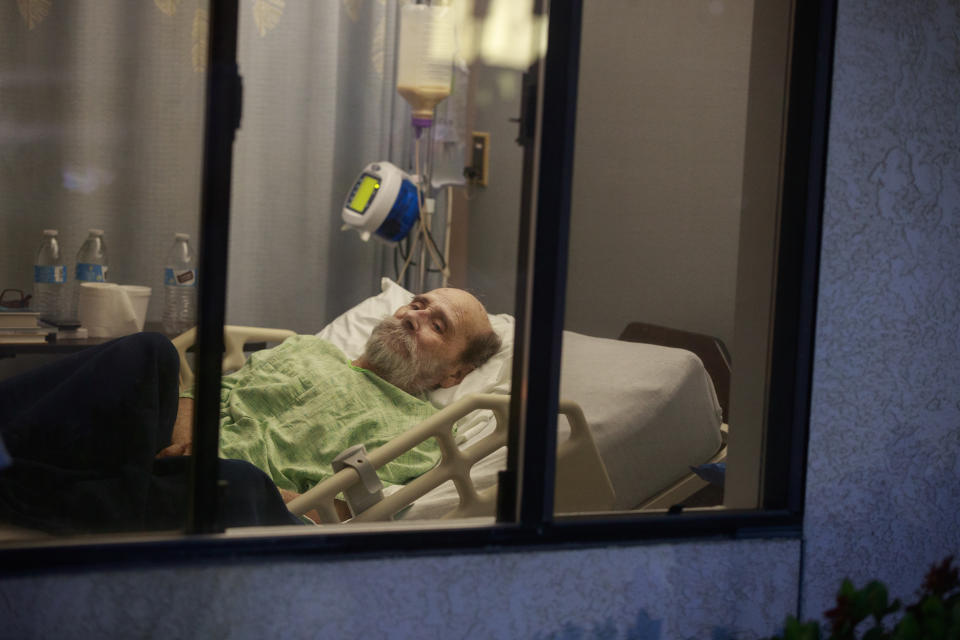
(652, 411)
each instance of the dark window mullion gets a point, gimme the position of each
(551, 239)
(799, 254)
(223, 106)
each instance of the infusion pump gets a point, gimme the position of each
(382, 202)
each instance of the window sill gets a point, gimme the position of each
(388, 539)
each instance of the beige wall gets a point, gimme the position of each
(488, 222)
(659, 146)
(660, 130)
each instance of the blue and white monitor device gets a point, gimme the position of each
(382, 202)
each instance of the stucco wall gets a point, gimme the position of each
(705, 590)
(883, 494)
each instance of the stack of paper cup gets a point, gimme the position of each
(105, 310)
(139, 298)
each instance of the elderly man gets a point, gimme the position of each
(288, 412)
(292, 409)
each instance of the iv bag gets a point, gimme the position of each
(424, 58)
(450, 140)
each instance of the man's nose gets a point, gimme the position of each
(411, 319)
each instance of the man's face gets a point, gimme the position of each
(419, 347)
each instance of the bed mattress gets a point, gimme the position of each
(652, 410)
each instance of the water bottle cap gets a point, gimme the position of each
(49, 232)
(95, 232)
(182, 236)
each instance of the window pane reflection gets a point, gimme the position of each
(333, 137)
(103, 129)
(100, 140)
(653, 255)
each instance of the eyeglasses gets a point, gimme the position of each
(16, 299)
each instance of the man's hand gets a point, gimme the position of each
(343, 511)
(179, 449)
(181, 442)
(287, 495)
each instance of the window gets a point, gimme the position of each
(567, 186)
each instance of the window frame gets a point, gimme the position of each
(525, 511)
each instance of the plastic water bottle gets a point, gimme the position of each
(92, 265)
(180, 287)
(50, 280)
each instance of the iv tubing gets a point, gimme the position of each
(424, 220)
(406, 263)
(446, 235)
(422, 235)
(419, 227)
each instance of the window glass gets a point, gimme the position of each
(401, 110)
(659, 291)
(357, 116)
(101, 130)
(384, 187)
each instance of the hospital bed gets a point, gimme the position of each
(635, 418)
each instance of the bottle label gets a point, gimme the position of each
(50, 274)
(180, 277)
(87, 272)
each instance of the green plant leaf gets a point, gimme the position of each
(875, 595)
(876, 633)
(933, 625)
(844, 616)
(796, 630)
(847, 589)
(894, 606)
(932, 608)
(907, 629)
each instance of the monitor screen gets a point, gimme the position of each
(363, 193)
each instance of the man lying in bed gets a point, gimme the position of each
(84, 430)
(292, 409)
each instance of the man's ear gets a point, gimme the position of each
(456, 376)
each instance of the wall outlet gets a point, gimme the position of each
(479, 168)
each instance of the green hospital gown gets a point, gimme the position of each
(292, 409)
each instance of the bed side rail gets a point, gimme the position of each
(582, 481)
(234, 337)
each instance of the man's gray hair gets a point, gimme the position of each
(480, 348)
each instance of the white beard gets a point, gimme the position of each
(393, 354)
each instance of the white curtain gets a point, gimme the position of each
(101, 125)
(318, 93)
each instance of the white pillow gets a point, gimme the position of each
(351, 329)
